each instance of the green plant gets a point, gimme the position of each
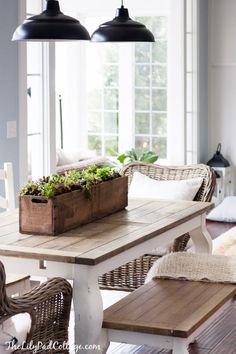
(51, 186)
(132, 155)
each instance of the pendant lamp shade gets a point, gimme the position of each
(51, 24)
(122, 29)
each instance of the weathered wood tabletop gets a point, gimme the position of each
(100, 240)
(91, 250)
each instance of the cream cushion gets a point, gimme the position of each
(17, 326)
(143, 186)
(225, 244)
(66, 157)
(225, 212)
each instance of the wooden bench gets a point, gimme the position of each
(17, 284)
(166, 313)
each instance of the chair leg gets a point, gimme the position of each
(180, 346)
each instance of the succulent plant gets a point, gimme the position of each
(55, 184)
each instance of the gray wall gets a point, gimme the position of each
(9, 105)
(222, 80)
(203, 82)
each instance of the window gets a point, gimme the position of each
(40, 102)
(191, 82)
(147, 67)
(112, 97)
(151, 89)
(116, 96)
(124, 93)
(103, 99)
(35, 108)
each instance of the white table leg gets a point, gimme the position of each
(180, 346)
(201, 238)
(88, 309)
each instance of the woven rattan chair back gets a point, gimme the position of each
(175, 173)
(131, 275)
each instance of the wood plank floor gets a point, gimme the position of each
(217, 228)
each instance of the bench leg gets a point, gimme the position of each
(180, 346)
(104, 341)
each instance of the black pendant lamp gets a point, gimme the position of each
(51, 24)
(122, 29)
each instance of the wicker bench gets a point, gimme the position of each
(166, 313)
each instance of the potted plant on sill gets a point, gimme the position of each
(58, 203)
(131, 156)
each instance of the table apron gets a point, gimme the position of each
(147, 246)
(66, 270)
(34, 267)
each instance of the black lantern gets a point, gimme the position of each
(218, 159)
(222, 170)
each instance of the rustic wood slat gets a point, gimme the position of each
(12, 237)
(172, 315)
(213, 303)
(191, 295)
(102, 239)
(150, 208)
(36, 241)
(160, 304)
(145, 232)
(38, 253)
(8, 229)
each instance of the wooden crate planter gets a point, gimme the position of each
(52, 216)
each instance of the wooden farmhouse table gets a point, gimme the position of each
(88, 251)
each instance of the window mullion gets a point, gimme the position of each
(126, 97)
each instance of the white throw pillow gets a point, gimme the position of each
(15, 327)
(66, 157)
(226, 211)
(143, 186)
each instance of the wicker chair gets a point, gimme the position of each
(130, 276)
(49, 308)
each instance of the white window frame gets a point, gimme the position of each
(191, 25)
(177, 153)
(48, 101)
(176, 127)
(23, 161)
